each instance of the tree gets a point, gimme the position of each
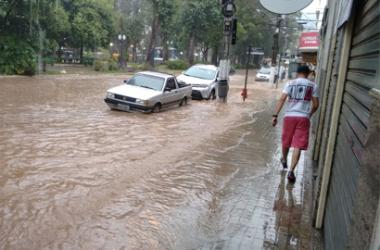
(163, 13)
(212, 34)
(20, 32)
(256, 28)
(201, 23)
(93, 23)
(167, 11)
(133, 16)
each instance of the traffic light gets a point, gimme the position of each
(234, 31)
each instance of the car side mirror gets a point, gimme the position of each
(167, 89)
(125, 81)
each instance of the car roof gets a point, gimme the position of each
(157, 74)
(206, 66)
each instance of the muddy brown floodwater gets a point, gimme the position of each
(76, 175)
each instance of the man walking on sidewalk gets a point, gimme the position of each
(302, 101)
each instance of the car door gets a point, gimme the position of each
(170, 92)
(179, 93)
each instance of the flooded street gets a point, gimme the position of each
(76, 175)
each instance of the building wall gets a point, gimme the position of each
(348, 127)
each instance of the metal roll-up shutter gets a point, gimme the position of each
(362, 76)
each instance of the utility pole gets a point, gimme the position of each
(276, 50)
(282, 18)
(275, 44)
(230, 26)
(244, 92)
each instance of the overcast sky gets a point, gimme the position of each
(316, 4)
(310, 13)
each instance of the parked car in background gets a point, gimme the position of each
(263, 74)
(203, 79)
(148, 92)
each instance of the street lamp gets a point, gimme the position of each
(228, 8)
(111, 47)
(122, 38)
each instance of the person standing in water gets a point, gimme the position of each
(301, 95)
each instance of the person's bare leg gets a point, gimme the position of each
(285, 152)
(295, 158)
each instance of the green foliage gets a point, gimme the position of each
(101, 65)
(166, 12)
(256, 28)
(17, 57)
(54, 20)
(200, 24)
(177, 65)
(88, 61)
(138, 67)
(88, 58)
(41, 27)
(87, 30)
(112, 65)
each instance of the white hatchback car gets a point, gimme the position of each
(203, 79)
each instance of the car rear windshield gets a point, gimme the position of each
(146, 81)
(202, 73)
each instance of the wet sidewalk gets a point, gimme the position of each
(263, 210)
(270, 213)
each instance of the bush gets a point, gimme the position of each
(132, 67)
(101, 65)
(177, 65)
(17, 57)
(142, 67)
(112, 65)
(88, 61)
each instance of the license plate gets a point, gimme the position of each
(123, 107)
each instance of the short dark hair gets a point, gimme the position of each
(303, 69)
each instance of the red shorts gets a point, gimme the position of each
(295, 132)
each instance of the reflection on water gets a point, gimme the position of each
(75, 175)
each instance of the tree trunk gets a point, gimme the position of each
(81, 53)
(165, 50)
(134, 52)
(153, 37)
(214, 57)
(190, 51)
(205, 54)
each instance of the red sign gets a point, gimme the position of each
(309, 40)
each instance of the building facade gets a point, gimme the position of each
(347, 126)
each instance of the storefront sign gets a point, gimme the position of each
(309, 41)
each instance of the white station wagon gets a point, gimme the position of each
(148, 92)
